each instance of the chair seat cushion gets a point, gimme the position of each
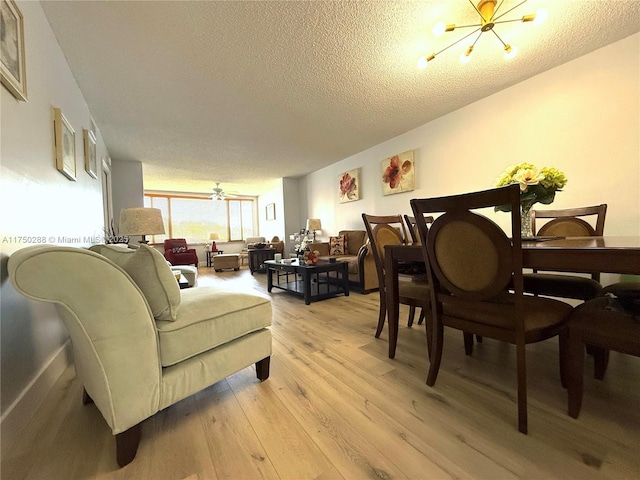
(539, 312)
(209, 317)
(603, 323)
(562, 286)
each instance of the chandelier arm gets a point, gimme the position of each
(476, 8)
(498, 36)
(510, 10)
(477, 38)
(509, 21)
(495, 12)
(458, 41)
(467, 26)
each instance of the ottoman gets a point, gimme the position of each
(226, 260)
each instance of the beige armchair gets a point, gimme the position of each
(140, 343)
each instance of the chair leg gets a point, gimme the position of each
(127, 445)
(421, 317)
(479, 338)
(468, 343)
(563, 349)
(436, 351)
(383, 312)
(600, 362)
(522, 386)
(412, 315)
(262, 368)
(575, 373)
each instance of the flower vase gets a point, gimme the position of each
(525, 220)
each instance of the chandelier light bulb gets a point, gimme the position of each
(541, 16)
(466, 55)
(422, 63)
(439, 29)
(510, 51)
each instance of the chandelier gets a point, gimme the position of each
(489, 18)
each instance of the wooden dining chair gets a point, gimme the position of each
(567, 223)
(391, 230)
(611, 322)
(472, 265)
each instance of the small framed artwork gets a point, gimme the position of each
(93, 129)
(65, 143)
(12, 64)
(349, 186)
(271, 211)
(398, 173)
(90, 160)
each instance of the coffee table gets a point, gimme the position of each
(312, 282)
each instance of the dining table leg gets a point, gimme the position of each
(393, 300)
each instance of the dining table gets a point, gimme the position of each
(615, 254)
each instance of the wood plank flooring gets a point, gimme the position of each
(335, 407)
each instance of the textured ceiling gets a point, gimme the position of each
(246, 92)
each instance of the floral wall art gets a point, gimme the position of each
(398, 173)
(349, 186)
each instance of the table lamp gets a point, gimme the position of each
(314, 224)
(141, 221)
(213, 236)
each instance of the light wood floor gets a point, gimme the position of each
(335, 407)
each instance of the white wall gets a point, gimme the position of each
(582, 117)
(38, 201)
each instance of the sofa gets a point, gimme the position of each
(362, 267)
(140, 344)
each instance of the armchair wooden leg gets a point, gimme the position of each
(262, 369)
(127, 445)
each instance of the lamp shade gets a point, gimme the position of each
(141, 221)
(314, 224)
(214, 236)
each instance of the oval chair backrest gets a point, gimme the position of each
(567, 227)
(386, 235)
(470, 255)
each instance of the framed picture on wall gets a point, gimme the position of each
(13, 73)
(65, 144)
(271, 211)
(349, 186)
(398, 173)
(90, 160)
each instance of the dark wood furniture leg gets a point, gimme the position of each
(127, 445)
(262, 369)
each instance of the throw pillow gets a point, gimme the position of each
(148, 268)
(337, 245)
(179, 249)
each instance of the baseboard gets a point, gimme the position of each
(22, 409)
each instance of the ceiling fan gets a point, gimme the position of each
(218, 193)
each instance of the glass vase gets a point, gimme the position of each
(525, 220)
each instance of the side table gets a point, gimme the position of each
(210, 256)
(257, 257)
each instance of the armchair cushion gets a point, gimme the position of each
(209, 317)
(338, 245)
(149, 270)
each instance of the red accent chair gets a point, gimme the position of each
(177, 252)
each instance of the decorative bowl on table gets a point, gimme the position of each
(259, 245)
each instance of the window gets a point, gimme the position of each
(194, 218)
